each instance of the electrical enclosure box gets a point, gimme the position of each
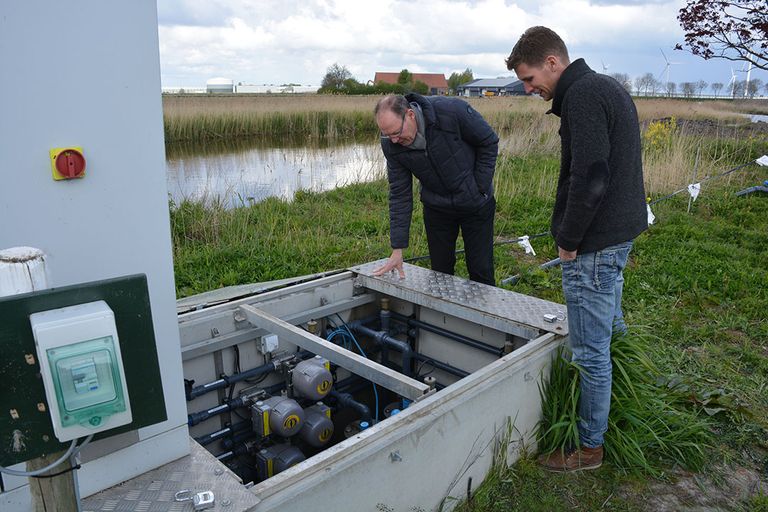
(82, 369)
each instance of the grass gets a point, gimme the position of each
(653, 422)
(696, 294)
(696, 284)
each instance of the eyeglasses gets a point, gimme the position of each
(398, 133)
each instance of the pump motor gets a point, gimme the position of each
(312, 378)
(278, 414)
(318, 427)
(275, 459)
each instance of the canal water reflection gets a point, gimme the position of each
(241, 173)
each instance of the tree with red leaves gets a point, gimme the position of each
(734, 30)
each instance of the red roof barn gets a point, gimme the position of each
(436, 82)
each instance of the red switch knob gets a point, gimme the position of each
(70, 163)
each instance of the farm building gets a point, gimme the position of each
(220, 85)
(506, 86)
(436, 82)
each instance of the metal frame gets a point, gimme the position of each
(242, 335)
(359, 365)
(479, 303)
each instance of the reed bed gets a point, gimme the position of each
(197, 117)
(682, 140)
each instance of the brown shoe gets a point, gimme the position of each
(575, 460)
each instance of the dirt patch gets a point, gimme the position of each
(724, 488)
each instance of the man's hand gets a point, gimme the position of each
(395, 261)
(566, 255)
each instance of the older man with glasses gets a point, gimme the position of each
(451, 150)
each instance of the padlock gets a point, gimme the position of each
(200, 501)
(203, 500)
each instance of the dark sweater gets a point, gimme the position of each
(455, 171)
(600, 196)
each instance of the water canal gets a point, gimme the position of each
(242, 173)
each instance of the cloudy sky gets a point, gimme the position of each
(295, 41)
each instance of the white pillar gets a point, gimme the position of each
(22, 270)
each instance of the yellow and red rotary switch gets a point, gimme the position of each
(67, 163)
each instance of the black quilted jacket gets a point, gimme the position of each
(455, 172)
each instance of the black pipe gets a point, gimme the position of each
(229, 442)
(442, 366)
(346, 400)
(198, 417)
(228, 380)
(241, 449)
(225, 455)
(384, 316)
(412, 322)
(382, 338)
(214, 436)
(351, 384)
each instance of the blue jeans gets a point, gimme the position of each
(592, 285)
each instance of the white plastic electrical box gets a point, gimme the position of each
(269, 343)
(82, 369)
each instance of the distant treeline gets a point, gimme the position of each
(354, 87)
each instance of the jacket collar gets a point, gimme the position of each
(427, 111)
(571, 74)
(426, 107)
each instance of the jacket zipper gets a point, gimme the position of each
(439, 176)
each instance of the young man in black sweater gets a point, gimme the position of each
(599, 210)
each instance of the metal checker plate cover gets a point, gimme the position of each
(154, 490)
(487, 305)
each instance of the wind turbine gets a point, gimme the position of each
(605, 66)
(746, 85)
(732, 82)
(666, 67)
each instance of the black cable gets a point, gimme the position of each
(249, 381)
(702, 181)
(237, 359)
(422, 365)
(260, 379)
(232, 386)
(497, 243)
(73, 468)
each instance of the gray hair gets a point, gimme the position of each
(395, 103)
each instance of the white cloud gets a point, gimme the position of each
(279, 41)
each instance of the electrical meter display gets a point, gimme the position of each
(82, 369)
(85, 380)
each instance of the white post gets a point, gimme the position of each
(22, 270)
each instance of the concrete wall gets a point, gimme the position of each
(91, 78)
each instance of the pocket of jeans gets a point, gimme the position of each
(606, 271)
(570, 270)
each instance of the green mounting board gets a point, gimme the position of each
(26, 432)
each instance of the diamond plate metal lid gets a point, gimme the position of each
(493, 307)
(155, 490)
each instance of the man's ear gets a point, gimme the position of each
(551, 62)
(554, 63)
